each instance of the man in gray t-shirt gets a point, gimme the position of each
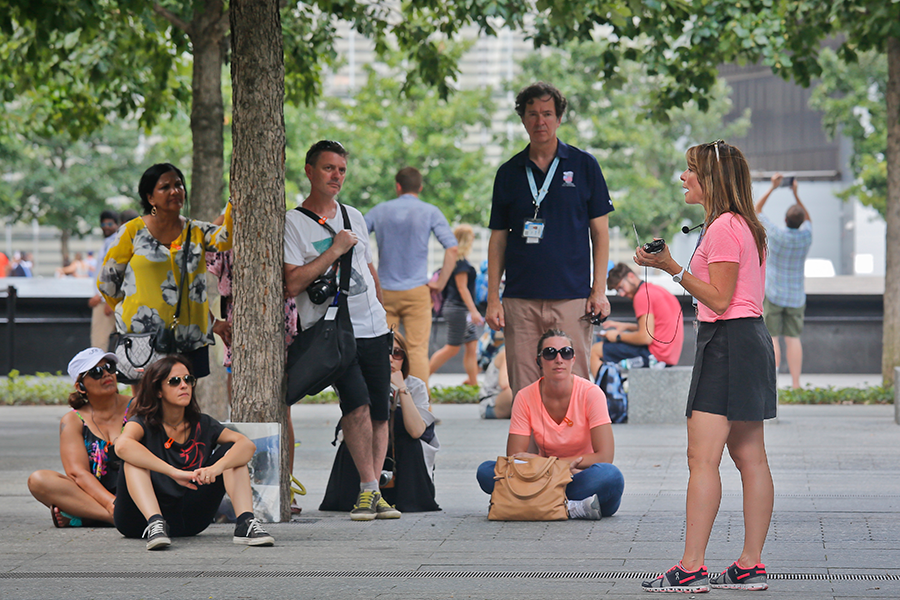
(402, 228)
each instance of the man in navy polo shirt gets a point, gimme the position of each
(549, 229)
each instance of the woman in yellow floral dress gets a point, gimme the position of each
(141, 272)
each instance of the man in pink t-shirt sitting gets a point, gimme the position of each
(659, 330)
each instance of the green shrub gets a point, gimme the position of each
(326, 397)
(831, 395)
(41, 388)
(456, 394)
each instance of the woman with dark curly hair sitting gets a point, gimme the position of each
(86, 493)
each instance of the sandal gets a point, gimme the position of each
(62, 520)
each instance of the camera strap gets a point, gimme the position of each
(346, 258)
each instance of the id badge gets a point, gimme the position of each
(533, 232)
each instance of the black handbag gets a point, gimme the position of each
(136, 351)
(321, 353)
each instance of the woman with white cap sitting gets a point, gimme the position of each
(86, 493)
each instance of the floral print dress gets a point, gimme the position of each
(139, 280)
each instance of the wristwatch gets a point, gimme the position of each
(618, 337)
(679, 276)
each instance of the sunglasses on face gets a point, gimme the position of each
(100, 370)
(567, 353)
(398, 353)
(176, 381)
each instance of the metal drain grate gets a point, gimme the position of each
(415, 575)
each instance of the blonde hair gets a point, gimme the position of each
(724, 177)
(465, 235)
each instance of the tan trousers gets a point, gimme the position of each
(527, 320)
(102, 325)
(412, 309)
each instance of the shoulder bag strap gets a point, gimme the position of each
(320, 220)
(185, 250)
(346, 264)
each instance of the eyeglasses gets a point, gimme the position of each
(108, 224)
(567, 353)
(715, 145)
(398, 353)
(176, 381)
(101, 370)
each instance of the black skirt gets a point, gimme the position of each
(734, 371)
(412, 490)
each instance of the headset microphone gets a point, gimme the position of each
(687, 229)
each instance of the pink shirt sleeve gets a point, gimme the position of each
(595, 401)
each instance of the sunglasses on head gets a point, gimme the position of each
(327, 146)
(176, 381)
(398, 353)
(715, 145)
(101, 370)
(566, 352)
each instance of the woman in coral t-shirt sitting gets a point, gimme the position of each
(567, 417)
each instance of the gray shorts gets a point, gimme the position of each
(459, 329)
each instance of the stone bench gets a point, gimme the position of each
(658, 395)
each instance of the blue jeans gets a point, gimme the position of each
(602, 479)
(616, 351)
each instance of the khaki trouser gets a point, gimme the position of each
(102, 325)
(527, 320)
(412, 308)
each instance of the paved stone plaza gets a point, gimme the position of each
(835, 532)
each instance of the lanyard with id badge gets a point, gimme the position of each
(533, 230)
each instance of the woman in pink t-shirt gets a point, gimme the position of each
(733, 383)
(567, 417)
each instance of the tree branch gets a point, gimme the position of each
(172, 18)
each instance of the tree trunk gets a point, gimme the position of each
(64, 246)
(207, 32)
(257, 190)
(890, 356)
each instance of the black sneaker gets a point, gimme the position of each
(677, 579)
(737, 578)
(157, 534)
(365, 507)
(383, 510)
(251, 533)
